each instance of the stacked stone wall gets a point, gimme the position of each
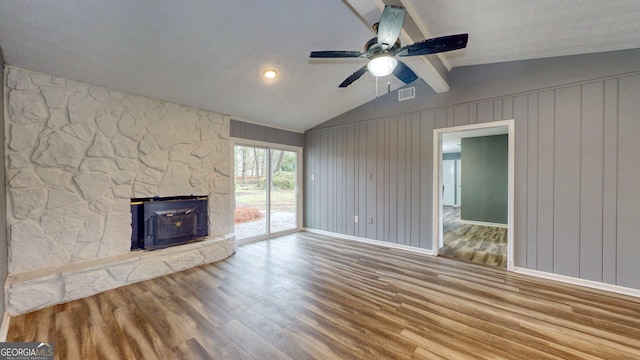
(76, 154)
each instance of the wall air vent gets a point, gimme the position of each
(406, 94)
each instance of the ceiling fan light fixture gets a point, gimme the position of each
(381, 49)
(382, 65)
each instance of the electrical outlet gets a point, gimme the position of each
(355, 219)
(313, 177)
(370, 219)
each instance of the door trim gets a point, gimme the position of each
(437, 183)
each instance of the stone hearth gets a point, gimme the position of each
(34, 290)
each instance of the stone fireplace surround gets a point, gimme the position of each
(76, 155)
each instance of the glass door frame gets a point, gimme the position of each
(268, 146)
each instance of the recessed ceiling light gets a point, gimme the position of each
(270, 73)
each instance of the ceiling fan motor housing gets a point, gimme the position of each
(372, 47)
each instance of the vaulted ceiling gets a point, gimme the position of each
(210, 54)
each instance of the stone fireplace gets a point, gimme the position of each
(76, 156)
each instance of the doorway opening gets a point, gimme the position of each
(266, 188)
(473, 193)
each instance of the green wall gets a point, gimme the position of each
(484, 179)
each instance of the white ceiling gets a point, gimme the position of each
(507, 30)
(210, 53)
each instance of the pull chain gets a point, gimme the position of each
(388, 87)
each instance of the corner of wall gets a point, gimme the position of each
(3, 200)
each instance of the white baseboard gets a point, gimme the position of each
(371, 241)
(482, 223)
(580, 282)
(4, 329)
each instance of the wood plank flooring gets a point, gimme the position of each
(476, 243)
(307, 296)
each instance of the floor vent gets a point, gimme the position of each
(406, 94)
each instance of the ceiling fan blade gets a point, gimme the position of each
(335, 54)
(353, 77)
(404, 73)
(390, 25)
(435, 45)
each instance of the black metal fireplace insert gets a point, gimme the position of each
(160, 222)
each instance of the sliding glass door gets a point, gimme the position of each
(266, 191)
(283, 191)
(250, 192)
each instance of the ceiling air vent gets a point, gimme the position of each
(406, 94)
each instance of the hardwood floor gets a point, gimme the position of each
(476, 243)
(307, 296)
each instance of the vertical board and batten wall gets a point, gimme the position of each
(373, 170)
(577, 176)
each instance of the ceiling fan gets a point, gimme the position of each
(381, 50)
